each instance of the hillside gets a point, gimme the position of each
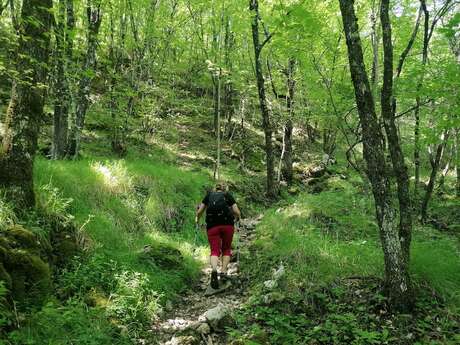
(333, 124)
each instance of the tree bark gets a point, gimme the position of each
(287, 157)
(396, 271)
(434, 171)
(94, 22)
(266, 124)
(63, 99)
(25, 111)
(457, 164)
(427, 34)
(394, 144)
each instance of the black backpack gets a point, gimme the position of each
(218, 210)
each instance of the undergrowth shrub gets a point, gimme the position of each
(53, 204)
(5, 313)
(134, 303)
(67, 324)
(169, 207)
(7, 214)
(82, 275)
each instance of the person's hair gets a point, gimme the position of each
(220, 186)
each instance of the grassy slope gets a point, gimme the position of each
(118, 204)
(327, 241)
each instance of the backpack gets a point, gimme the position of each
(218, 210)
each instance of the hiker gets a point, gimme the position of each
(221, 211)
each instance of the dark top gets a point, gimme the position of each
(222, 219)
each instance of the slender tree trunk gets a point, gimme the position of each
(25, 111)
(375, 49)
(434, 171)
(447, 166)
(457, 163)
(396, 271)
(266, 124)
(394, 144)
(63, 99)
(287, 157)
(217, 171)
(84, 88)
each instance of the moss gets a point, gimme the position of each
(161, 255)
(30, 275)
(95, 298)
(5, 277)
(20, 237)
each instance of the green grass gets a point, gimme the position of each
(332, 235)
(119, 206)
(331, 292)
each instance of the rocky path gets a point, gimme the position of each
(197, 319)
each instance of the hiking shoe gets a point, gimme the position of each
(224, 277)
(214, 280)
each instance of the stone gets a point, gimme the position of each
(203, 328)
(279, 272)
(270, 284)
(168, 305)
(218, 316)
(183, 340)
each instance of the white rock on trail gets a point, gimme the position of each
(183, 340)
(216, 315)
(203, 329)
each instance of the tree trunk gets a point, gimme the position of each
(457, 164)
(268, 131)
(287, 157)
(394, 144)
(396, 271)
(375, 49)
(25, 111)
(434, 171)
(62, 102)
(84, 88)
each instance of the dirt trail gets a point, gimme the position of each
(186, 324)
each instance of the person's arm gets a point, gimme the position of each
(236, 212)
(199, 211)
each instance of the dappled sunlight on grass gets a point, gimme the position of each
(109, 197)
(114, 175)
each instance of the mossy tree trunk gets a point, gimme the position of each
(397, 281)
(25, 111)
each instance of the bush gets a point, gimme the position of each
(134, 303)
(67, 324)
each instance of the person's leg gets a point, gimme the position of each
(214, 243)
(214, 262)
(227, 237)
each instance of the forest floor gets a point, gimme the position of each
(187, 323)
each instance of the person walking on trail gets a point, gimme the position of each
(221, 211)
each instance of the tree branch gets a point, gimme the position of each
(413, 108)
(267, 39)
(406, 51)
